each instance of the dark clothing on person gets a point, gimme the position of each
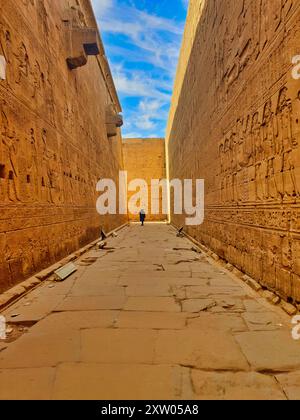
(142, 217)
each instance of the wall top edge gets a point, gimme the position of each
(142, 139)
(102, 59)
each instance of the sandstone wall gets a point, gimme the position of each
(53, 145)
(237, 126)
(145, 159)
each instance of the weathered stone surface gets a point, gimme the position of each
(160, 290)
(152, 304)
(217, 322)
(5, 299)
(26, 384)
(212, 291)
(270, 350)
(30, 283)
(16, 291)
(227, 304)
(123, 381)
(143, 274)
(234, 122)
(97, 289)
(276, 300)
(268, 295)
(186, 281)
(54, 145)
(43, 275)
(252, 305)
(204, 349)
(92, 303)
(197, 305)
(75, 320)
(117, 346)
(177, 268)
(42, 350)
(252, 283)
(263, 321)
(291, 385)
(235, 386)
(151, 320)
(32, 310)
(288, 308)
(3, 345)
(98, 347)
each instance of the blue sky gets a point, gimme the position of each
(142, 39)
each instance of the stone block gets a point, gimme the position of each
(274, 351)
(288, 308)
(135, 382)
(235, 386)
(201, 349)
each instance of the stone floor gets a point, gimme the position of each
(148, 319)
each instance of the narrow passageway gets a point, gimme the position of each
(148, 318)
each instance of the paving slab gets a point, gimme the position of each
(235, 386)
(152, 304)
(75, 320)
(32, 309)
(177, 268)
(93, 275)
(97, 290)
(197, 305)
(26, 384)
(122, 328)
(263, 321)
(201, 349)
(255, 305)
(43, 350)
(81, 381)
(199, 292)
(117, 346)
(146, 274)
(290, 383)
(148, 290)
(228, 304)
(274, 351)
(91, 303)
(218, 322)
(151, 320)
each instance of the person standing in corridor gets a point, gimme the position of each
(142, 216)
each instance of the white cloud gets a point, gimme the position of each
(149, 114)
(139, 84)
(158, 37)
(147, 61)
(101, 7)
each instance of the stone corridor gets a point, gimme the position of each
(148, 318)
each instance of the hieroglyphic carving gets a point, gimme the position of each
(9, 157)
(263, 151)
(242, 111)
(22, 62)
(53, 141)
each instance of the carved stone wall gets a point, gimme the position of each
(146, 159)
(237, 125)
(53, 137)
